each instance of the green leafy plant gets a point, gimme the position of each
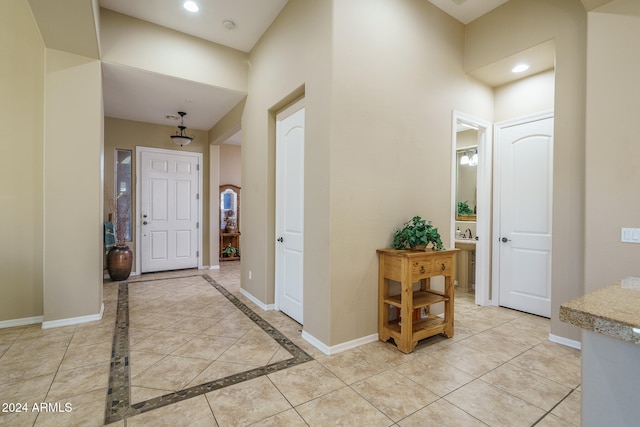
(230, 251)
(417, 232)
(464, 209)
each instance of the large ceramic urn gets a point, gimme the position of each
(119, 262)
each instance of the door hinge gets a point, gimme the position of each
(197, 254)
(197, 225)
(198, 166)
(197, 196)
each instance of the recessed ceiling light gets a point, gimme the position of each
(520, 68)
(229, 25)
(191, 6)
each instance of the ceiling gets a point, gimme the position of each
(251, 18)
(139, 95)
(466, 11)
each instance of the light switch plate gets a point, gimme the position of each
(630, 235)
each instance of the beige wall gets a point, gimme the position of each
(230, 165)
(127, 134)
(518, 25)
(393, 96)
(228, 125)
(526, 96)
(73, 147)
(376, 154)
(21, 157)
(140, 44)
(294, 55)
(612, 172)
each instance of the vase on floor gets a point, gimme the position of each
(119, 262)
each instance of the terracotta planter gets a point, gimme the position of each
(119, 263)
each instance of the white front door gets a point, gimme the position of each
(525, 193)
(290, 211)
(169, 210)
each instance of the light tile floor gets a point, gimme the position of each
(498, 370)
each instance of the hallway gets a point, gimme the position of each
(191, 350)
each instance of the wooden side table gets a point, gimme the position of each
(415, 321)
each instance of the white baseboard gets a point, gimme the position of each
(214, 267)
(74, 320)
(340, 347)
(20, 322)
(256, 301)
(565, 341)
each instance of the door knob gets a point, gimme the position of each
(280, 239)
(144, 222)
(505, 240)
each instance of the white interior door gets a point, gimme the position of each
(525, 182)
(169, 210)
(290, 211)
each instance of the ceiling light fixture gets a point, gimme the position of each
(520, 68)
(180, 138)
(191, 6)
(229, 25)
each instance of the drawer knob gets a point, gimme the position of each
(443, 267)
(422, 269)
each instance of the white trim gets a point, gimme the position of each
(565, 341)
(289, 110)
(20, 322)
(138, 175)
(545, 114)
(340, 347)
(495, 244)
(316, 343)
(74, 320)
(256, 301)
(483, 222)
(215, 267)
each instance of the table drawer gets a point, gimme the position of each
(443, 266)
(421, 268)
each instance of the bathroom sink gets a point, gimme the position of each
(468, 244)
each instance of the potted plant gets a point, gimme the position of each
(230, 251)
(120, 256)
(417, 233)
(465, 213)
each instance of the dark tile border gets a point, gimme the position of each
(119, 393)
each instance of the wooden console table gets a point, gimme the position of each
(415, 322)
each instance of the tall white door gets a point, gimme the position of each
(168, 210)
(290, 211)
(525, 215)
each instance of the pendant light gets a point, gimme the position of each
(180, 138)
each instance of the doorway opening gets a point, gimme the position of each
(289, 227)
(472, 136)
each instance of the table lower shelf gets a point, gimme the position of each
(420, 299)
(420, 329)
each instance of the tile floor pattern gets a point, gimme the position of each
(498, 370)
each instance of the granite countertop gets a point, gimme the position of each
(611, 311)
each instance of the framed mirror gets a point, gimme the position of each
(466, 179)
(230, 208)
